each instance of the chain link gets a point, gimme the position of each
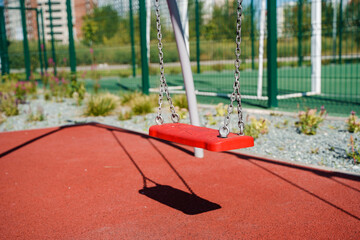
(163, 85)
(235, 96)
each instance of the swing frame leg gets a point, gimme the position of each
(185, 68)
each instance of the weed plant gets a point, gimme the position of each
(101, 105)
(125, 115)
(309, 121)
(353, 125)
(143, 104)
(9, 104)
(127, 97)
(256, 127)
(221, 110)
(36, 116)
(180, 101)
(354, 152)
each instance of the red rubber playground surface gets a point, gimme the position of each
(87, 182)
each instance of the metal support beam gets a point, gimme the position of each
(72, 54)
(300, 14)
(3, 44)
(197, 26)
(252, 35)
(143, 45)
(185, 67)
(272, 54)
(25, 40)
(133, 56)
(52, 37)
(39, 43)
(43, 40)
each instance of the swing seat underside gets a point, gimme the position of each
(200, 137)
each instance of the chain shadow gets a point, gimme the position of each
(188, 203)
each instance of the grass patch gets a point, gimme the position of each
(101, 105)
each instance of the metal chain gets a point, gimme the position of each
(224, 130)
(163, 85)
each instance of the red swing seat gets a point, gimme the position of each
(200, 137)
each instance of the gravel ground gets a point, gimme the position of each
(327, 148)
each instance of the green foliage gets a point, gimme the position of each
(36, 116)
(2, 118)
(101, 105)
(218, 67)
(180, 101)
(125, 73)
(127, 97)
(77, 91)
(182, 112)
(309, 121)
(143, 104)
(352, 124)
(154, 71)
(256, 127)
(354, 151)
(221, 110)
(22, 89)
(125, 115)
(102, 23)
(210, 119)
(9, 104)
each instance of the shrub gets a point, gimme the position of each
(182, 112)
(210, 119)
(77, 91)
(180, 101)
(127, 97)
(309, 121)
(125, 115)
(143, 105)
(256, 127)
(354, 152)
(352, 124)
(221, 110)
(174, 70)
(154, 71)
(101, 105)
(124, 74)
(218, 67)
(9, 104)
(2, 118)
(36, 116)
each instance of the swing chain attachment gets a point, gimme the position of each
(163, 85)
(224, 130)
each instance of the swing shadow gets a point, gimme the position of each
(187, 202)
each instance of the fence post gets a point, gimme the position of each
(43, 40)
(252, 36)
(39, 42)
(272, 54)
(197, 29)
(143, 46)
(340, 28)
(52, 37)
(3, 44)
(72, 54)
(25, 40)
(300, 13)
(133, 56)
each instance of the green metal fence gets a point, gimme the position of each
(111, 39)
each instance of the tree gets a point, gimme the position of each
(291, 19)
(352, 19)
(102, 23)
